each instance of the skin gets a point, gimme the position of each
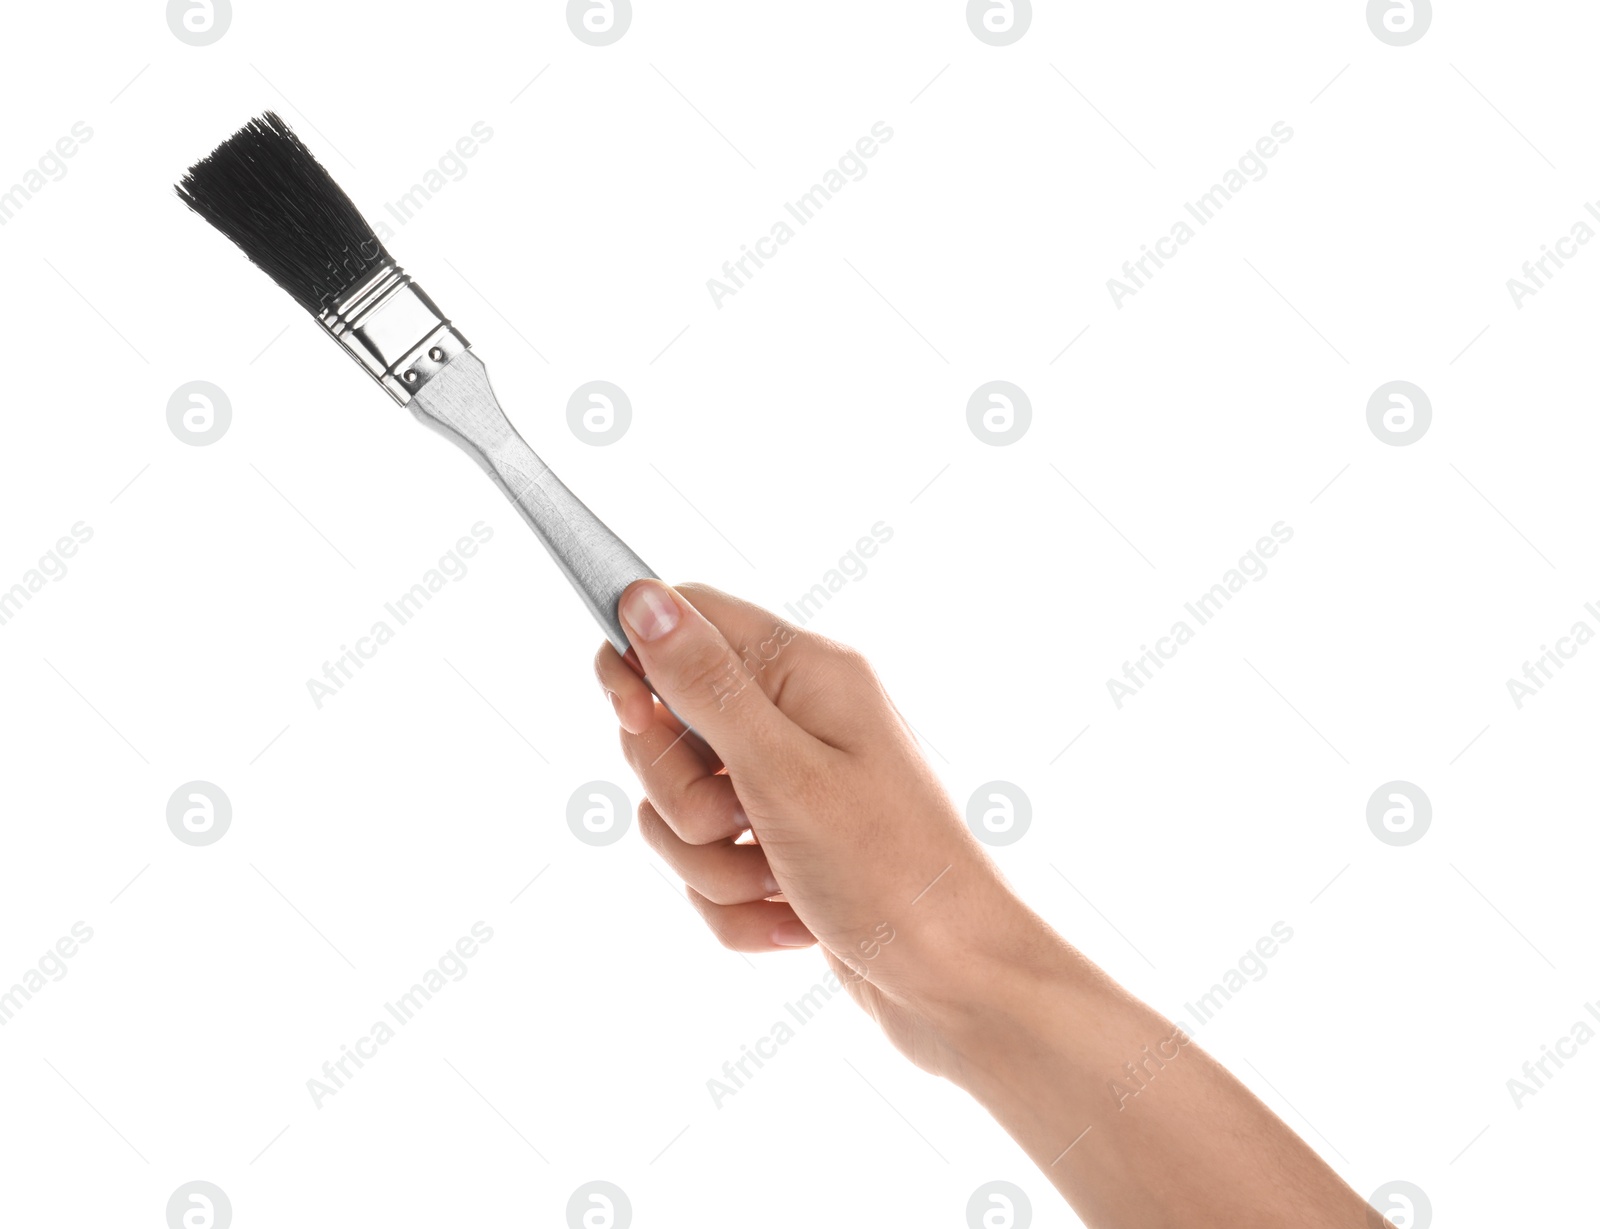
(798, 812)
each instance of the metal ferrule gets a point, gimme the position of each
(395, 331)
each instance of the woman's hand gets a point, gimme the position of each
(856, 845)
(858, 848)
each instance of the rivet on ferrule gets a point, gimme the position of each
(395, 331)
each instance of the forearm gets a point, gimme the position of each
(1132, 1122)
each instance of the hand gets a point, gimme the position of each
(856, 845)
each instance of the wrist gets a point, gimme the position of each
(1022, 1006)
(1021, 995)
(996, 985)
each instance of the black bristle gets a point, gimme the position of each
(266, 191)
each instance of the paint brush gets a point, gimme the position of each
(264, 190)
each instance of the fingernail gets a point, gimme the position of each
(792, 934)
(649, 610)
(616, 704)
(740, 819)
(769, 886)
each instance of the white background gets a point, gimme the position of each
(768, 435)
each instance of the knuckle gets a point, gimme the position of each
(714, 916)
(650, 823)
(727, 935)
(694, 809)
(765, 648)
(854, 659)
(711, 671)
(842, 660)
(820, 785)
(771, 763)
(646, 755)
(690, 807)
(719, 891)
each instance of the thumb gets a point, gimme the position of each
(697, 673)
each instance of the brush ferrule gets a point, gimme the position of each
(393, 330)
